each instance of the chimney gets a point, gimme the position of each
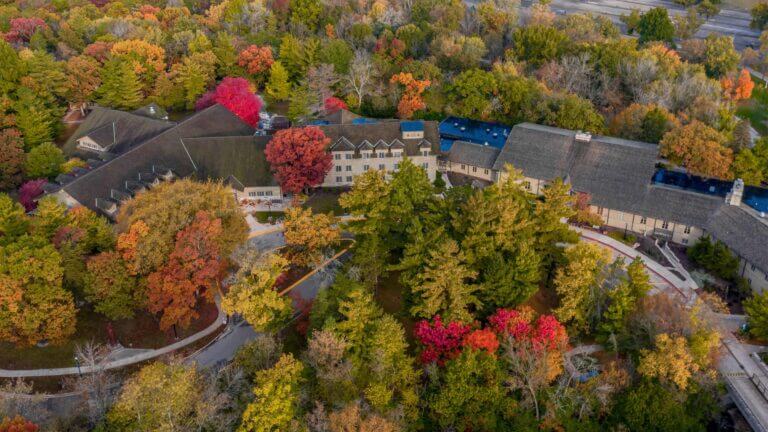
(584, 137)
(734, 196)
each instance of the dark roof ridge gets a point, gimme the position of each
(139, 146)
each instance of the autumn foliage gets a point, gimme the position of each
(256, 59)
(333, 104)
(699, 148)
(18, 424)
(29, 191)
(736, 89)
(22, 29)
(236, 95)
(440, 342)
(299, 157)
(192, 272)
(411, 100)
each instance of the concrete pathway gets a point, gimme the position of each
(744, 375)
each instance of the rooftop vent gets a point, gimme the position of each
(735, 195)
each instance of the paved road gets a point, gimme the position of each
(728, 22)
(225, 347)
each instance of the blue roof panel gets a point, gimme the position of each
(412, 126)
(755, 197)
(363, 120)
(474, 131)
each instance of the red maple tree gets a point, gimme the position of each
(256, 59)
(236, 95)
(22, 29)
(299, 157)
(29, 191)
(440, 342)
(333, 104)
(482, 339)
(193, 272)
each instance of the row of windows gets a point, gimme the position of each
(260, 194)
(382, 167)
(644, 220)
(474, 169)
(374, 155)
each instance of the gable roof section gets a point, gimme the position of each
(542, 152)
(743, 232)
(165, 149)
(483, 156)
(342, 144)
(385, 130)
(130, 130)
(241, 159)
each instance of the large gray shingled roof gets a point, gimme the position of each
(119, 129)
(165, 149)
(618, 174)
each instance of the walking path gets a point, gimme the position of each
(743, 374)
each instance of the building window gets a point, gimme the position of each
(463, 166)
(349, 178)
(366, 167)
(348, 168)
(665, 225)
(485, 172)
(269, 193)
(382, 155)
(348, 156)
(474, 169)
(685, 241)
(425, 165)
(397, 166)
(527, 185)
(260, 193)
(600, 211)
(643, 220)
(338, 179)
(338, 168)
(337, 156)
(251, 194)
(753, 267)
(381, 167)
(397, 154)
(687, 230)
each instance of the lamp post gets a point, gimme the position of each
(77, 362)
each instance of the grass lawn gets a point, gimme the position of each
(325, 200)
(140, 332)
(263, 216)
(756, 108)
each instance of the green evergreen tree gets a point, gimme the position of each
(299, 104)
(444, 287)
(37, 122)
(120, 86)
(655, 25)
(292, 57)
(278, 88)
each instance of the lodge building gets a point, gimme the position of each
(629, 189)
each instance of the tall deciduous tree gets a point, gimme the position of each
(277, 397)
(253, 295)
(35, 307)
(256, 60)
(110, 287)
(411, 99)
(699, 148)
(278, 87)
(299, 157)
(308, 236)
(193, 271)
(236, 95)
(670, 361)
(44, 161)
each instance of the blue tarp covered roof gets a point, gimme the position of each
(412, 126)
(755, 197)
(474, 131)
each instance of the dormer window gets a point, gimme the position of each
(412, 129)
(86, 143)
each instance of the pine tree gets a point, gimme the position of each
(443, 287)
(299, 104)
(292, 56)
(34, 119)
(120, 86)
(278, 87)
